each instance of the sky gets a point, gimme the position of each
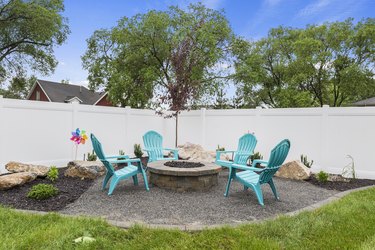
(251, 19)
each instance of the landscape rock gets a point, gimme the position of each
(294, 170)
(85, 169)
(8, 181)
(190, 151)
(337, 177)
(18, 167)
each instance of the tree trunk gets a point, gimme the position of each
(176, 130)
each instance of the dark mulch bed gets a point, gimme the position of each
(341, 185)
(70, 189)
(183, 164)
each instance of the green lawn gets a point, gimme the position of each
(346, 224)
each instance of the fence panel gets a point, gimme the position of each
(38, 132)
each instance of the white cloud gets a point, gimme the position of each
(330, 10)
(314, 8)
(268, 10)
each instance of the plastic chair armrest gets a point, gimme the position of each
(243, 167)
(171, 149)
(255, 162)
(126, 161)
(117, 156)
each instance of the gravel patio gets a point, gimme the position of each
(133, 204)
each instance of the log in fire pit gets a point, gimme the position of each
(184, 176)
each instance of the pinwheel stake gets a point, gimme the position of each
(78, 137)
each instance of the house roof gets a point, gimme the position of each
(366, 102)
(61, 92)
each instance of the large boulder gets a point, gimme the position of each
(294, 170)
(8, 181)
(190, 151)
(85, 169)
(18, 167)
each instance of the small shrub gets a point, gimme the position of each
(306, 162)
(220, 148)
(53, 174)
(42, 191)
(121, 152)
(138, 150)
(322, 177)
(92, 156)
(256, 156)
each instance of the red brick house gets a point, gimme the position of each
(66, 93)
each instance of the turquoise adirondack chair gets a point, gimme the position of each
(251, 179)
(124, 173)
(153, 142)
(245, 149)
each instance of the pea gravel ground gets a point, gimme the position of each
(130, 203)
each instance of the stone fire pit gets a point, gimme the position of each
(184, 178)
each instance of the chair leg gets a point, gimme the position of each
(135, 180)
(106, 179)
(259, 194)
(145, 180)
(113, 185)
(230, 177)
(273, 187)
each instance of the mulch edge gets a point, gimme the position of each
(194, 228)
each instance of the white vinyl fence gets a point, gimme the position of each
(39, 132)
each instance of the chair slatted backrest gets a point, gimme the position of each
(277, 158)
(99, 152)
(153, 142)
(246, 146)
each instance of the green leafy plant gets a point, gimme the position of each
(256, 156)
(92, 156)
(349, 170)
(42, 191)
(220, 148)
(138, 150)
(322, 176)
(306, 162)
(53, 174)
(121, 152)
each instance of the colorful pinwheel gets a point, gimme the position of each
(78, 137)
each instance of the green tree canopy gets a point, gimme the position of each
(166, 55)
(29, 31)
(332, 64)
(19, 87)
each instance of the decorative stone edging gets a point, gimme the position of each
(182, 227)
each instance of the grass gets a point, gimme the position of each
(345, 224)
